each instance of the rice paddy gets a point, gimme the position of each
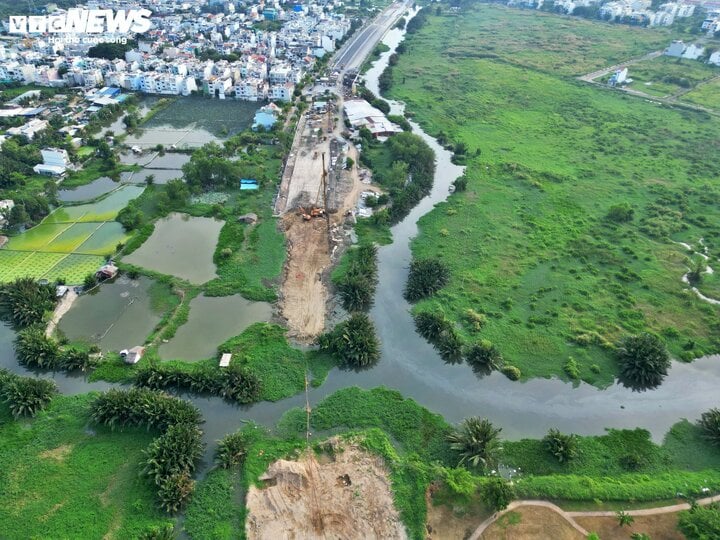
(70, 243)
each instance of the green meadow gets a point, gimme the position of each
(529, 243)
(536, 40)
(64, 477)
(665, 76)
(707, 95)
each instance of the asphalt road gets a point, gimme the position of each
(353, 53)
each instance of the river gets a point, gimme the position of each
(410, 365)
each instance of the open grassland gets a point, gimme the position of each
(546, 42)
(707, 95)
(529, 243)
(665, 76)
(62, 478)
(70, 243)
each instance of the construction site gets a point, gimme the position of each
(316, 197)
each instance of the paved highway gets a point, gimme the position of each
(354, 52)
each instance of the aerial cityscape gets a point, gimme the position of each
(360, 269)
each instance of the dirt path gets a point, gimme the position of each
(61, 309)
(569, 516)
(344, 496)
(303, 293)
(590, 77)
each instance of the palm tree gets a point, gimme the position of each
(354, 341)
(710, 424)
(624, 519)
(484, 356)
(231, 450)
(25, 301)
(26, 396)
(35, 349)
(477, 442)
(426, 277)
(561, 445)
(644, 361)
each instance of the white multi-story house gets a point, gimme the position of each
(253, 89)
(281, 92)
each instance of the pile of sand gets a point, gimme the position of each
(346, 496)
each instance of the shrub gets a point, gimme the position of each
(460, 183)
(25, 301)
(621, 213)
(426, 277)
(710, 424)
(231, 450)
(643, 359)
(700, 522)
(571, 369)
(477, 443)
(430, 324)
(497, 493)
(562, 446)
(354, 341)
(511, 372)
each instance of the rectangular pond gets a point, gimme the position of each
(115, 316)
(181, 246)
(212, 321)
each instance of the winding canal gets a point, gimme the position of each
(410, 365)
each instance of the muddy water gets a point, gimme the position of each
(190, 122)
(212, 321)
(181, 246)
(94, 189)
(116, 316)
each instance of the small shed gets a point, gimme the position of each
(107, 271)
(250, 218)
(133, 355)
(225, 359)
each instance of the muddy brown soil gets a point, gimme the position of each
(345, 497)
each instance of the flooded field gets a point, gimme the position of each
(212, 321)
(191, 122)
(181, 246)
(88, 192)
(116, 316)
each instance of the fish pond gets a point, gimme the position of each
(116, 316)
(180, 246)
(212, 321)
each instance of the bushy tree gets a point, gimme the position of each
(477, 442)
(621, 213)
(710, 424)
(354, 341)
(562, 446)
(25, 301)
(644, 360)
(426, 277)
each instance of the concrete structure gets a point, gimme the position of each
(361, 114)
(55, 162)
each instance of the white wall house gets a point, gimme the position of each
(55, 162)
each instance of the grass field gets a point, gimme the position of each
(546, 42)
(665, 76)
(62, 477)
(707, 95)
(529, 243)
(69, 243)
